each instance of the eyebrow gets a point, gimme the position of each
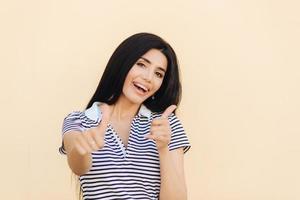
(148, 61)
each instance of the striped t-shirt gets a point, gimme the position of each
(120, 172)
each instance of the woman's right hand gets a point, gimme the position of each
(80, 145)
(92, 139)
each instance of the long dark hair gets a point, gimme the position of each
(124, 57)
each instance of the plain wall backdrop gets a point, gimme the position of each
(241, 80)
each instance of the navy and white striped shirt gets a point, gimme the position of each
(120, 172)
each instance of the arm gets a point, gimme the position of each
(173, 184)
(171, 162)
(79, 145)
(79, 164)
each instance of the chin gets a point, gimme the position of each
(137, 99)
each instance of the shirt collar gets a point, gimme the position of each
(145, 111)
(94, 112)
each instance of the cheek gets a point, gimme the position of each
(129, 77)
(157, 84)
(126, 84)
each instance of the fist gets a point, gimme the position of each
(93, 138)
(160, 130)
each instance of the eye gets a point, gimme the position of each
(141, 64)
(159, 75)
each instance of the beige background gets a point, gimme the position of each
(241, 81)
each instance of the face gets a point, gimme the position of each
(145, 77)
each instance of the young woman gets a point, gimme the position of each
(128, 143)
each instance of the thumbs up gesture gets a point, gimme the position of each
(160, 130)
(93, 139)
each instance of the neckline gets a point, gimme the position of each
(119, 140)
(95, 113)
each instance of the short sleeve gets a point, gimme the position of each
(179, 138)
(72, 122)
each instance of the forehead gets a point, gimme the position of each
(156, 58)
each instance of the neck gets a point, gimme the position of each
(124, 109)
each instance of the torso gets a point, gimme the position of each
(122, 128)
(134, 171)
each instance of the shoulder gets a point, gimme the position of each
(91, 113)
(74, 115)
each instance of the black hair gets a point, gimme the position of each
(124, 57)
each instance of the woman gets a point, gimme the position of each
(128, 143)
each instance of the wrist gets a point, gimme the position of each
(164, 150)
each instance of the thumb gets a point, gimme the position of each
(168, 111)
(106, 113)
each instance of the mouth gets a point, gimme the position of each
(140, 88)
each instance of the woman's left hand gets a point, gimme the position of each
(160, 130)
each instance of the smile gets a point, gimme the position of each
(140, 88)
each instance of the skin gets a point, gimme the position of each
(148, 72)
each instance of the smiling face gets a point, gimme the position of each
(145, 77)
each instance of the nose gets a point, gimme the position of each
(148, 75)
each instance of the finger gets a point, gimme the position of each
(160, 132)
(156, 129)
(155, 137)
(91, 141)
(79, 149)
(150, 136)
(106, 113)
(99, 139)
(93, 144)
(84, 143)
(159, 121)
(168, 111)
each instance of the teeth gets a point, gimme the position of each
(141, 86)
